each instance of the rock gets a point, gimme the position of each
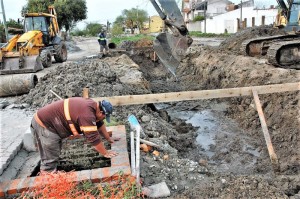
(28, 141)
(157, 191)
(146, 118)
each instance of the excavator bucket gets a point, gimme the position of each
(170, 49)
(16, 65)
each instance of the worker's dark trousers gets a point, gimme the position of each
(49, 146)
(102, 47)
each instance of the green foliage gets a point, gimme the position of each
(116, 30)
(68, 11)
(78, 32)
(133, 18)
(118, 40)
(93, 29)
(2, 34)
(198, 18)
(200, 34)
(14, 24)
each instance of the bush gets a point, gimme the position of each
(78, 32)
(116, 30)
(198, 18)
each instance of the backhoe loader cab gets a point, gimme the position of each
(33, 50)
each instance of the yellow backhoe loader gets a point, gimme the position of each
(33, 50)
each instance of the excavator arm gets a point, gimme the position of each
(171, 47)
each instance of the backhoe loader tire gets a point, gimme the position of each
(46, 58)
(61, 53)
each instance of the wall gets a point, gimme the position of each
(156, 24)
(228, 21)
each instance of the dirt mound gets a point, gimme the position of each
(136, 44)
(234, 42)
(212, 70)
(102, 79)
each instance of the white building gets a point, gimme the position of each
(222, 15)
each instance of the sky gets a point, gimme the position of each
(102, 11)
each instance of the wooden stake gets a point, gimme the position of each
(264, 126)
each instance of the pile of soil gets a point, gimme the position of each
(186, 170)
(234, 42)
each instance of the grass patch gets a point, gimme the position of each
(118, 40)
(207, 35)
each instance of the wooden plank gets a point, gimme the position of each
(265, 130)
(197, 95)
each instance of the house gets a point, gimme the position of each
(224, 16)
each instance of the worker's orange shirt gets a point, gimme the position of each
(83, 115)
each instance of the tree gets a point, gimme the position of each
(133, 18)
(93, 28)
(68, 11)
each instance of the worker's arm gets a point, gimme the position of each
(101, 149)
(103, 131)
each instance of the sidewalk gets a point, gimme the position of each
(14, 123)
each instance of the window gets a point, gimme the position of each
(35, 23)
(295, 13)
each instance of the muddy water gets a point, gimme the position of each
(219, 140)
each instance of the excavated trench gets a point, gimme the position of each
(209, 148)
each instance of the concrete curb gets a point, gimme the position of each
(119, 163)
(8, 154)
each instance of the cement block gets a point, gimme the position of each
(157, 191)
(28, 141)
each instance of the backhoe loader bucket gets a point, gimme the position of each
(171, 49)
(17, 65)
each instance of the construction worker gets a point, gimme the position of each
(103, 42)
(64, 118)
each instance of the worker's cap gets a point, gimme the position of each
(107, 109)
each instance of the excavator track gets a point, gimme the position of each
(259, 46)
(285, 54)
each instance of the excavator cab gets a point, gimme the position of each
(294, 17)
(171, 47)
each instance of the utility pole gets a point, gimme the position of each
(241, 17)
(4, 21)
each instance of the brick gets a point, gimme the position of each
(97, 175)
(13, 187)
(21, 184)
(84, 175)
(106, 175)
(24, 185)
(121, 160)
(3, 188)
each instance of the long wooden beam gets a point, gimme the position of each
(197, 95)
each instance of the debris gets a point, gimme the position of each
(144, 148)
(156, 153)
(157, 191)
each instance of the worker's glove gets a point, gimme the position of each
(110, 154)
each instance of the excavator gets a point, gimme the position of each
(33, 50)
(171, 47)
(280, 50)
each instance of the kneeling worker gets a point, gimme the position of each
(68, 117)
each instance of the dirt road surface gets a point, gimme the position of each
(210, 148)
